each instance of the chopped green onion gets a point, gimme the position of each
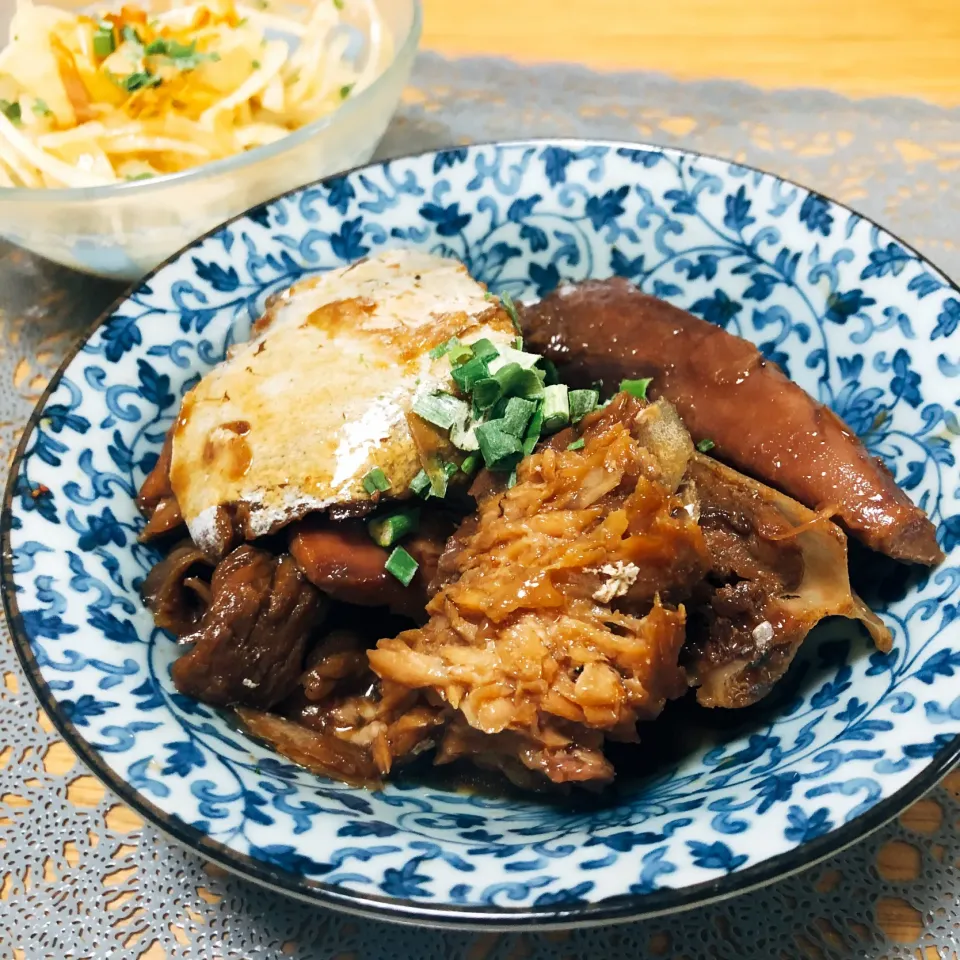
(556, 407)
(515, 381)
(11, 111)
(508, 355)
(517, 415)
(512, 479)
(484, 349)
(338, 4)
(137, 81)
(441, 409)
(464, 437)
(509, 306)
(439, 473)
(255, 64)
(140, 176)
(104, 41)
(581, 403)
(576, 445)
(534, 429)
(468, 374)
(40, 108)
(401, 565)
(441, 349)
(636, 388)
(470, 463)
(420, 484)
(500, 450)
(705, 445)
(459, 354)
(183, 56)
(518, 343)
(345, 90)
(486, 393)
(549, 368)
(376, 482)
(386, 531)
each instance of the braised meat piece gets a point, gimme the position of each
(342, 560)
(250, 643)
(156, 500)
(343, 722)
(776, 570)
(726, 391)
(526, 638)
(177, 589)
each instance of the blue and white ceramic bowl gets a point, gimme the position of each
(851, 736)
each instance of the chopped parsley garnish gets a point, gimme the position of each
(386, 531)
(577, 444)
(104, 40)
(133, 38)
(183, 56)
(636, 388)
(11, 111)
(705, 445)
(141, 80)
(345, 90)
(376, 482)
(401, 565)
(40, 108)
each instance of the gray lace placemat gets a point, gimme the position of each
(82, 877)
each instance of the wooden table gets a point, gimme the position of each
(856, 47)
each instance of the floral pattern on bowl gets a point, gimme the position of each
(854, 315)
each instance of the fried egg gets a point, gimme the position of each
(294, 419)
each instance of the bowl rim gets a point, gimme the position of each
(136, 188)
(619, 909)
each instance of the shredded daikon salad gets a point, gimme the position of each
(129, 95)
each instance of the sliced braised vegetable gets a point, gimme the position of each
(576, 445)
(401, 565)
(386, 531)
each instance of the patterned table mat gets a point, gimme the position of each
(82, 877)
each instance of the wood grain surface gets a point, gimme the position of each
(856, 47)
